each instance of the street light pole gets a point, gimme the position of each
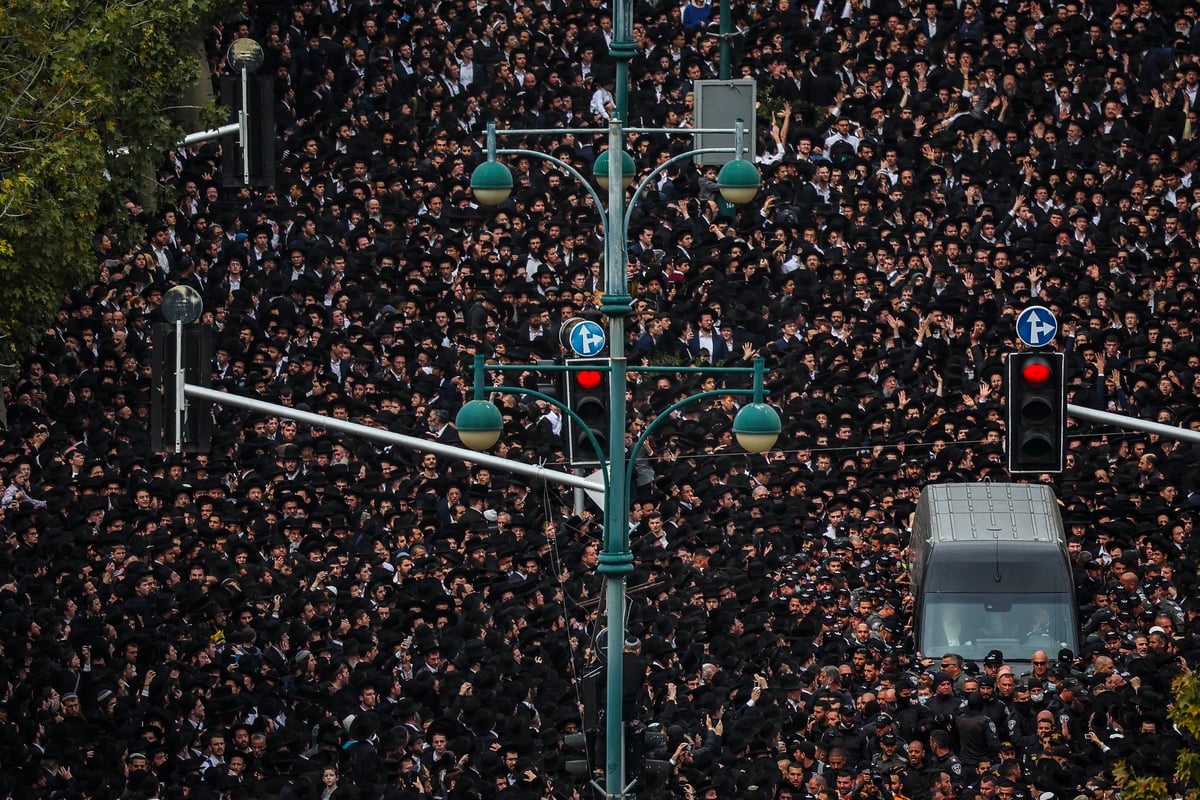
(757, 425)
(622, 51)
(616, 558)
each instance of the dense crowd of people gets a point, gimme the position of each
(299, 614)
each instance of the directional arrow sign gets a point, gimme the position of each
(1037, 326)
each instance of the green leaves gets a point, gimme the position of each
(84, 92)
(1184, 712)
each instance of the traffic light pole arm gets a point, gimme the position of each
(637, 446)
(388, 437)
(208, 136)
(705, 370)
(1133, 423)
(600, 131)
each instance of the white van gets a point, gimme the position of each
(990, 571)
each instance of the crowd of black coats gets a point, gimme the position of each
(298, 613)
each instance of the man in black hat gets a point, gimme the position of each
(889, 757)
(945, 704)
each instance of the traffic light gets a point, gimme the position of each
(646, 757)
(578, 754)
(1036, 412)
(164, 399)
(262, 130)
(585, 391)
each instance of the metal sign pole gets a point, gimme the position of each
(180, 401)
(244, 122)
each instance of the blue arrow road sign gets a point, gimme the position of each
(587, 339)
(1037, 326)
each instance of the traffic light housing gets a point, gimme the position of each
(578, 754)
(585, 391)
(164, 399)
(1036, 412)
(646, 757)
(261, 92)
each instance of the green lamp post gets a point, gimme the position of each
(756, 426)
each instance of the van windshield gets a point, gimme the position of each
(1016, 624)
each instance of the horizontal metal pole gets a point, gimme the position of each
(606, 368)
(388, 437)
(679, 130)
(597, 131)
(1133, 423)
(706, 370)
(204, 136)
(543, 368)
(546, 131)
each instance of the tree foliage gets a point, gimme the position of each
(1184, 714)
(86, 88)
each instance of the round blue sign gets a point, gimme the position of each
(1037, 326)
(587, 339)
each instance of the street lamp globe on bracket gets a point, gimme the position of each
(479, 424)
(492, 183)
(757, 427)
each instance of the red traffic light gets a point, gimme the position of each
(588, 378)
(1035, 407)
(1035, 372)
